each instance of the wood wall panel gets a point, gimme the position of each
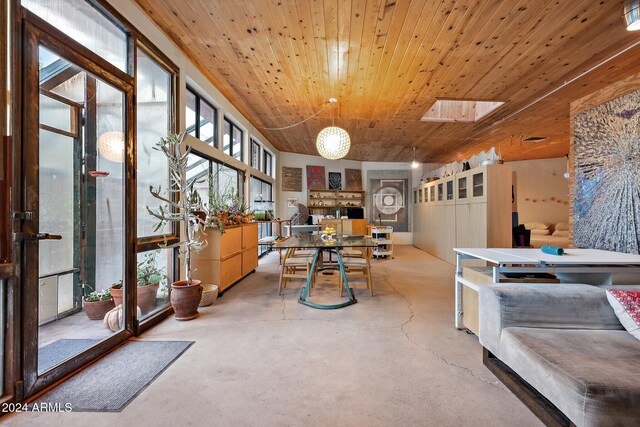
(387, 61)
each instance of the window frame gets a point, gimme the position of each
(258, 146)
(200, 99)
(148, 243)
(242, 175)
(267, 157)
(233, 126)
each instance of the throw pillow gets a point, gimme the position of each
(562, 226)
(536, 226)
(626, 305)
(561, 233)
(536, 232)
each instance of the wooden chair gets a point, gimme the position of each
(295, 268)
(357, 268)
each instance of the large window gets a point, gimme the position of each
(232, 140)
(154, 103)
(255, 154)
(153, 98)
(261, 200)
(86, 25)
(215, 182)
(201, 118)
(268, 163)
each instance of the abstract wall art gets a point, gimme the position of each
(606, 151)
(335, 181)
(353, 179)
(315, 178)
(389, 190)
(291, 179)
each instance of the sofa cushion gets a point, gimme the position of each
(536, 232)
(592, 376)
(545, 305)
(626, 305)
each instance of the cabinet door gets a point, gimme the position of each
(230, 270)
(249, 261)
(478, 186)
(231, 242)
(249, 236)
(358, 227)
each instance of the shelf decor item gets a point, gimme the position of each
(328, 235)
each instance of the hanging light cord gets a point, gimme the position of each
(331, 101)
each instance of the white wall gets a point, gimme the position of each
(538, 182)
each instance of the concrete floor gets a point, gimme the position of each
(394, 359)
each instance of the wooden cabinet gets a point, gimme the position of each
(228, 257)
(471, 209)
(350, 227)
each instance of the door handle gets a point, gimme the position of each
(46, 236)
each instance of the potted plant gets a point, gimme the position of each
(97, 304)
(185, 294)
(149, 277)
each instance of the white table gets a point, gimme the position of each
(511, 260)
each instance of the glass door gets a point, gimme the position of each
(76, 197)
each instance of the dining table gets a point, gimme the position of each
(319, 244)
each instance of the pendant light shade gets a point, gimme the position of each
(333, 143)
(414, 162)
(111, 146)
(630, 13)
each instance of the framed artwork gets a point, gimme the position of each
(292, 202)
(316, 178)
(291, 179)
(353, 179)
(335, 181)
(389, 197)
(606, 205)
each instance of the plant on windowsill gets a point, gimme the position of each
(185, 294)
(98, 303)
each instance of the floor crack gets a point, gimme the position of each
(423, 348)
(284, 308)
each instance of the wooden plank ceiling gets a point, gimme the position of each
(387, 61)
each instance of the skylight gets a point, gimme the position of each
(458, 110)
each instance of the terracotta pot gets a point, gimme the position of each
(116, 293)
(185, 299)
(201, 215)
(147, 297)
(95, 310)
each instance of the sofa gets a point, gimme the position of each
(563, 352)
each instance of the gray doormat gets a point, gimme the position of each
(58, 351)
(111, 383)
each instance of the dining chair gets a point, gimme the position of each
(357, 268)
(295, 268)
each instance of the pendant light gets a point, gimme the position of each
(333, 142)
(630, 12)
(414, 162)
